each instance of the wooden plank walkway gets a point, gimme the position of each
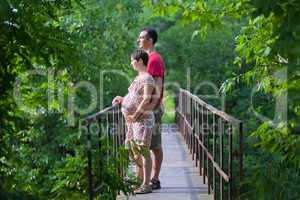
(179, 177)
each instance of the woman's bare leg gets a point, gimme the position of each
(147, 167)
(139, 168)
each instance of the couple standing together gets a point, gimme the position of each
(142, 110)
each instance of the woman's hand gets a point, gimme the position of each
(130, 118)
(117, 100)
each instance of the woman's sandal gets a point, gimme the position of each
(144, 189)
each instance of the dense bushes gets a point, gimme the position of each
(52, 56)
(258, 63)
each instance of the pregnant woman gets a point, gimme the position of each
(139, 122)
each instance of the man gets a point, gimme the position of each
(146, 41)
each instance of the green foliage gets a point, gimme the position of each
(46, 49)
(270, 178)
(169, 108)
(70, 180)
(196, 64)
(279, 142)
(266, 67)
(106, 169)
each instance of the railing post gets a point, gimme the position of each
(207, 142)
(200, 139)
(89, 154)
(100, 149)
(231, 179)
(214, 155)
(221, 156)
(203, 142)
(241, 153)
(196, 133)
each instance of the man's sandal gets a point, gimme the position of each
(155, 184)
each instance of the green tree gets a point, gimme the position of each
(266, 44)
(50, 46)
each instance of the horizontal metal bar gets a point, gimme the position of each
(96, 116)
(97, 189)
(186, 121)
(216, 165)
(220, 113)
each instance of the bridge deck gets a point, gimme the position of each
(179, 177)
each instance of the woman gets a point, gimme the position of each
(139, 122)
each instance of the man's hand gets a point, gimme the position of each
(117, 100)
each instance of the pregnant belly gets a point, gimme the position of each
(128, 105)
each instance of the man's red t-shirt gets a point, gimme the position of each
(156, 68)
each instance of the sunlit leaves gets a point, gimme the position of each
(253, 44)
(41, 155)
(267, 53)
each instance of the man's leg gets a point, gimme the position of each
(157, 161)
(156, 149)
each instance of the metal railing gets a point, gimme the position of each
(215, 140)
(105, 127)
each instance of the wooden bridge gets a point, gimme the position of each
(203, 152)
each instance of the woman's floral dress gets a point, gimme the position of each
(139, 132)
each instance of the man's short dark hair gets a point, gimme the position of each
(140, 54)
(151, 33)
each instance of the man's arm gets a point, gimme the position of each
(156, 97)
